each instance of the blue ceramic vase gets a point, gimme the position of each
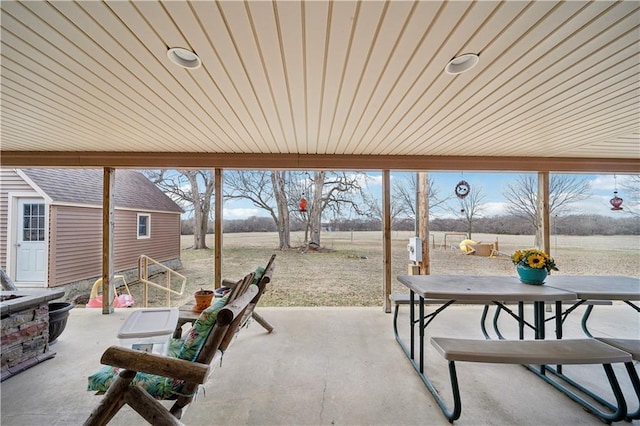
(533, 276)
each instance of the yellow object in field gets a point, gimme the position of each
(465, 245)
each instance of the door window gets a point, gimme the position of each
(33, 225)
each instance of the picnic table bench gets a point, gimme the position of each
(538, 352)
(633, 347)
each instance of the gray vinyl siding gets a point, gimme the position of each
(76, 242)
(10, 181)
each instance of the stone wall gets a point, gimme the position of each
(24, 337)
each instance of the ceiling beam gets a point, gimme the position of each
(154, 160)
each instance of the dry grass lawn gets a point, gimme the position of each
(350, 271)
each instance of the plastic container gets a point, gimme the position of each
(149, 330)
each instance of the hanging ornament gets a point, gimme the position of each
(616, 201)
(462, 189)
(303, 204)
(303, 200)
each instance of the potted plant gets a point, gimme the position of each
(203, 300)
(533, 265)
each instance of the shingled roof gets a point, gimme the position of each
(84, 186)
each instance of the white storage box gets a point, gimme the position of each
(149, 330)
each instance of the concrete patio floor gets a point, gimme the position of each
(321, 366)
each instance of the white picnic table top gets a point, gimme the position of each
(597, 287)
(465, 287)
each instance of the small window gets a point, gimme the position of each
(144, 225)
(33, 222)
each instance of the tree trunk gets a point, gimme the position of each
(199, 226)
(278, 182)
(316, 209)
(201, 208)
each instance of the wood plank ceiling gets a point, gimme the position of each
(334, 80)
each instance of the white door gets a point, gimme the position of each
(30, 240)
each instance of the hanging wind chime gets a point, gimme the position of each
(616, 202)
(462, 190)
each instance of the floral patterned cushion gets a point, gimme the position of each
(174, 347)
(158, 386)
(259, 272)
(200, 330)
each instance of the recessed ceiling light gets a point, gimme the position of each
(462, 63)
(184, 58)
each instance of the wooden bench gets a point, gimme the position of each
(540, 353)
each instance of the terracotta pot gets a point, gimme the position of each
(203, 300)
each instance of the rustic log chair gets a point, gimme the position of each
(263, 277)
(188, 374)
(262, 284)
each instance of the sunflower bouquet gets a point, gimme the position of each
(534, 258)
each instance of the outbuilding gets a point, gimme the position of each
(51, 225)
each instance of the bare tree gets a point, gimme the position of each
(632, 187)
(334, 193)
(267, 190)
(404, 195)
(403, 199)
(564, 190)
(283, 223)
(193, 190)
(470, 208)
(374, 207)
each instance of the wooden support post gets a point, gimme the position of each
(423, 221)
(413, 269)
(217, 273)
(108, 193)
(543, 236)
(386, 223)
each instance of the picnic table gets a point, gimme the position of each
(501, 290)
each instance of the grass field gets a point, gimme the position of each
(350, 271)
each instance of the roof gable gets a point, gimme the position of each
(84, 186)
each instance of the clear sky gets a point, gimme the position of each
(493, 185)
